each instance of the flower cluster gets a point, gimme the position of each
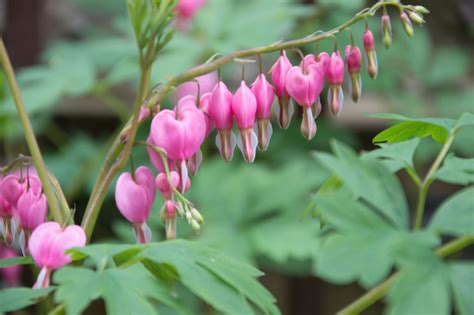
(23, 212)
(177, 134)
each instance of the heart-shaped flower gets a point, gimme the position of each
(369, 47)
(353, 60)
(48, 244)
(279, 71)
(264, 96)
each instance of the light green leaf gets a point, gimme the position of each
(17, 298)
(466, 119)
(223, 282)
(380, 187)
(102, 254)
(411, 129)
(462, 280)
(456, 215)
(125, 291)
(456, 171)
(23, 260)
(421, 288)
(398, 155)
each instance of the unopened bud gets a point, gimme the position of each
(386, 31)
(197, 216)
(189, 217)
(406, 22)
(417, 18)
(195, 226)
(421, 9)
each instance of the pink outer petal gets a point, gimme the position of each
(220, 106)
(48, 243)
(279, 72)
(264, 96)
(132, 199)
(302, 87)
(204, 106)
(32, 210)
(155, 158)
(368, 39)
(187, 8)
(244, 106)
(353, 58)
(307, 61)
(163, 185)
(335, 71)
(145, 178)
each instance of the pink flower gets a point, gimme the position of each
(264, 96)
(155, 158)
(323, 59)
(31, 210)
(7, 211)
(187, 8)
(10, 275)
(164, 186)
(220, 110)
(335, 75)
(48, 244)
(353, 60)
(206, 85)
(180, 133)
(386, 28)
(369, 47)
(244, 107)
(134, 198)
(169, 209)
(204, 106)
(279, 71)
(13, 187)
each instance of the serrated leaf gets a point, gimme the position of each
(455, 216)
(124, 290)
(456, 170)
(14, 261)
(17, 298)
(421, 288)
(396, 156)
(206, 273)
(462, 278)
(380, 187)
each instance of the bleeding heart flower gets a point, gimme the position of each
(353, 60)
(13, 186)
(264, 95)
(164, 186)
(279, 71)
(48, 244)
(207, 83)
(335, 75)
(386, 27)
(244, 107)
(186, 9)
(134, 196)
(369, 47)
(220, 110)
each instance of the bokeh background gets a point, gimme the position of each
(76, 63)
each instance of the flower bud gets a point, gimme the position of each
(421, 9)
(264, 95)
(244, 107)
(335, 76)
(220, 110)
(386, 30)
(195, 226)
(406, 22)
(353, 60)
(417, 18)
(279, 72)
(134, 197)
(170, 221)
(48, 244)
(369, 47)
(164, 186)
(197, 215)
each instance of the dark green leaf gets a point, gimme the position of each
(23, 260)
(462, 280)
(18, 298)
(456, 215)
(456, 171)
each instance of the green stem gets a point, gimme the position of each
(59, 214)
(425, 185)
(379, 291)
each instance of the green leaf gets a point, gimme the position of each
(23, 260)
(102, 254)
(456, 215)
(396, 156)
(462, 279)
(222, 282)
(380, 187)
(18, 298)
(125, 291)
(421, 288)
(456, 171)
(466, 119)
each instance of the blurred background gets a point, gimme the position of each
(76, 62)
